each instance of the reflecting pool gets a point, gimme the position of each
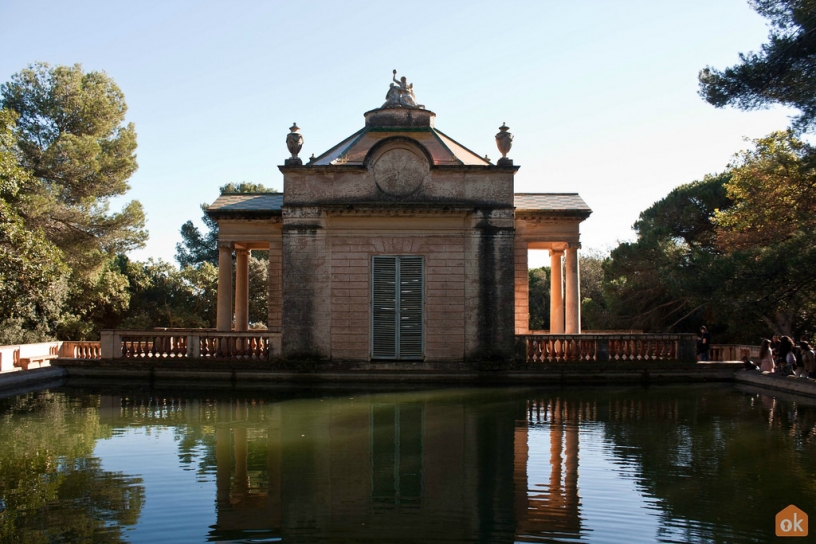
(685, 463)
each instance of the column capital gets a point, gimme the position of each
(224, 245)
(241, 251)
(574, 245)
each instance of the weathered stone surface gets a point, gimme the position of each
(399, 187)
(399, 117)
(306, 292)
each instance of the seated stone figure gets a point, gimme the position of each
(401, 94)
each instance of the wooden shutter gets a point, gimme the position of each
(384, 307)
(397, 303)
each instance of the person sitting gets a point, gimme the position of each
(766, 361)
(747, 364)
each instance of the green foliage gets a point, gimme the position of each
(95, 301)
(72, 140)
(594, 312)
(64, 154)
(32, 272)
(196, 248)
(258, 289)
(539, 298)
(735, 251)
(163, 296)
(774, 190)
(662, 281)
(245, 187)
(768, 268)
(783, 72)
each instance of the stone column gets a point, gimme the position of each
(223, 320)
(556, 293)
(573, 302)
(522, 305)
(241, 290)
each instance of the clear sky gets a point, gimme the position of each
(601, 96)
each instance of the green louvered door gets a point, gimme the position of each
(396, 307)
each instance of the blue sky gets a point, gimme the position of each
(601, 96)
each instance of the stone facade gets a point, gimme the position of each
(396, 188)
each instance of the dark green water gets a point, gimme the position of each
(667, 464)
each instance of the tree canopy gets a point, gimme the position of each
(660, 282)
(66, 153)
(72, 140)
(32, 272)
(773, 186)
(736, 249)
(782, 72)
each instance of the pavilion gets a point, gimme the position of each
(398, 244)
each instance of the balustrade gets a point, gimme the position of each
(190, 344)
(80, 350)
(732, 352)
(557, 348)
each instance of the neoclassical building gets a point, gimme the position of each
(398, 244)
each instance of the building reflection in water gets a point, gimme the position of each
(421, 466)
(488, 465)
(553, 507)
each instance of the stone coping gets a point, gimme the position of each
(766, 380)
(258, 374)
(24, 381)
(486, 373)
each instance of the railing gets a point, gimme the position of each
(732, 352)
(80, 350)
(556, 348)
(190, 344)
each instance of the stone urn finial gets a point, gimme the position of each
(504, 141)
(294, 142)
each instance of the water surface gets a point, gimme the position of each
(666, 464)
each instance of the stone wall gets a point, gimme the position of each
(468, 282)
(351, 292)
(490, 287)
(306, 287)
(458, 217)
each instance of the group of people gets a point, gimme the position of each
(781, 355)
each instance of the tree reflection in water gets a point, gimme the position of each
(51, 487)
(715, 463)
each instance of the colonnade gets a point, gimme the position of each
(225, 311)
(235, 305)
(565, 311)
(565, 288)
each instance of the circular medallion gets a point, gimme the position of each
(399, 172)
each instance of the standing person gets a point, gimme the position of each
(766, 362)
(775, 343)
(703, 344)
(786, 361)
(808, 359)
